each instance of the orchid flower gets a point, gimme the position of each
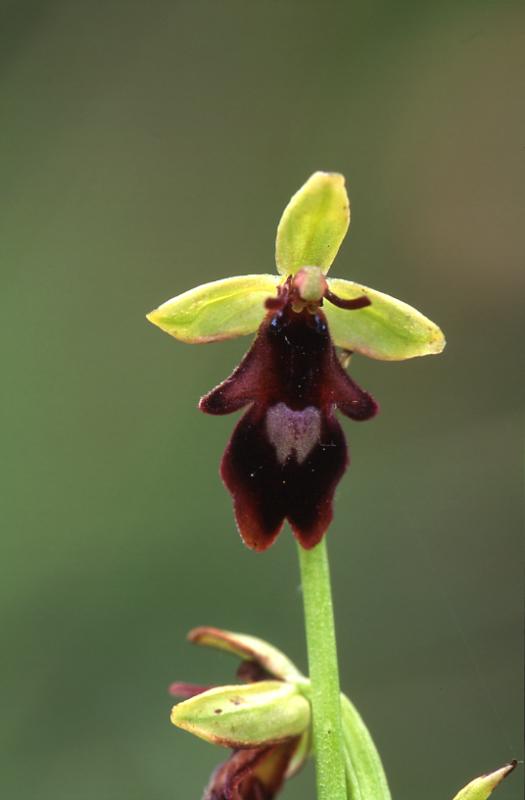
(288, 452)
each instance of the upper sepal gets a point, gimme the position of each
(249, 648)
(482, 787)
(387, 329)
(218, 310)
(250, 715)
(313, 224)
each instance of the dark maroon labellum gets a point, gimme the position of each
(288, 453)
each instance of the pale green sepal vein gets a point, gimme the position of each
(482, 787)
(249, 715)
(313, 224)
(218, 310)
(388, 329)
(365, 776)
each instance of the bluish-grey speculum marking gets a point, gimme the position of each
(293, 433)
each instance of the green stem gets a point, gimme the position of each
(324, 673)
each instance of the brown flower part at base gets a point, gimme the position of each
(288, 453)
(255, 774)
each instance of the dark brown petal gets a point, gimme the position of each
(254, 774)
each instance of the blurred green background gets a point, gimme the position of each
(148, 147)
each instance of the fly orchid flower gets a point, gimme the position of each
(288, 452)
(266, 721)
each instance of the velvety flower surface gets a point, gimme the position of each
(288, 452)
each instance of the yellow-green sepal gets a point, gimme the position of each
(249, 648)
(482, 787)
(388, 329)
(218, 310)
(313, 224)
(251, 715)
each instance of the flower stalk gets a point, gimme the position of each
(324, 673)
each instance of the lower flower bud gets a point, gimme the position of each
(253, 715)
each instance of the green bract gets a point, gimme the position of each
(257, 714)
(309, 235)
(482, 787)
(313, 224)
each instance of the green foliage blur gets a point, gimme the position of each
(148, 147)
